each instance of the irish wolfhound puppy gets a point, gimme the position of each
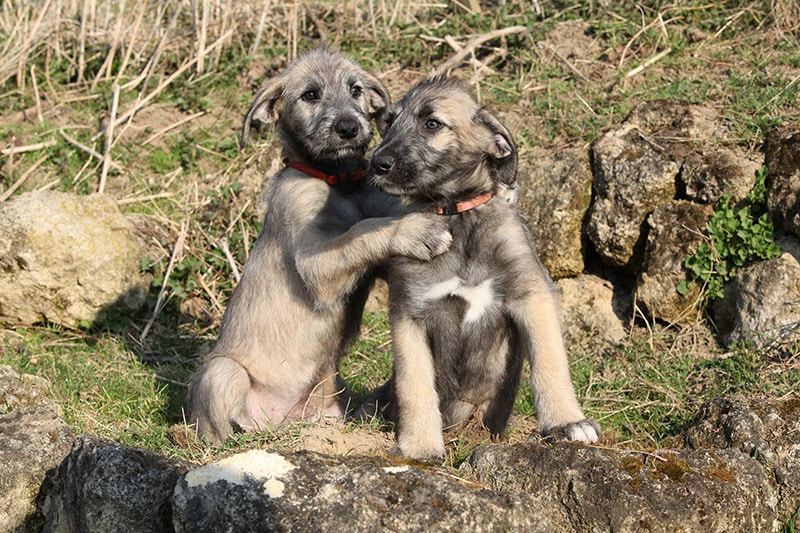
(463, 322)
(302, 292)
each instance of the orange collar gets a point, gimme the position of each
(466, 205)
(331, 179)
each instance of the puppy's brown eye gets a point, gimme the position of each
(310, 96)
(356, 91)
(432, 124)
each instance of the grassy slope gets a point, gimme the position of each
(191, 184)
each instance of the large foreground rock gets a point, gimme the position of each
(66, 258)
(33, 440)
(593, 489)
(768, 431)
(103, 486)
(270, 491)
(737, 475)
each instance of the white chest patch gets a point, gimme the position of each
(478, 297)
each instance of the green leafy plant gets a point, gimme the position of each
(737, 236)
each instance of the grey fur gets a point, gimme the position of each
(463, 322)
(302, 292)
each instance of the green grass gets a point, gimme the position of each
(369, 361)
(643, 393)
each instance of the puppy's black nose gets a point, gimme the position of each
(346, 128)
(382, 164)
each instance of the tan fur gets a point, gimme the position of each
(416, 389)
(463, 322)
(303, 288)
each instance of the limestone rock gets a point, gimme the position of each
(33, 440)
(766, 430)
(783, 178)
(555, 198)
(632, 177)
(707, 176)
(762, 302)
(66, 259)
(675, 124)
(593, 319)
(675, 232)
(102, 486)
(635, 170)
(262, 490)
(616, 490)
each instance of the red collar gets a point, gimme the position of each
(331, 179)
(466, 205)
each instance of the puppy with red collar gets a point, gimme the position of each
(301, 295)
(463, 322)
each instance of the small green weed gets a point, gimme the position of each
(738, 235)
(791, 525)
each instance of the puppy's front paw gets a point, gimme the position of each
(417, 453)
(430, 450)
(421, 236)
(586, 431)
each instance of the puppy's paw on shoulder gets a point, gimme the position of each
(586, 431)
(439, 243)
(421, 236)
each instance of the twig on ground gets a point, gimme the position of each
(140, 199)
(82, 40)
(640, 68)
(260, 31)
(213, 152)
(109, 140)
(772, 100)
(36, 97)
(27, 174)
(28, 148)
(89, 150)
(105, 70)
(564, 60)
(181, 122)
(177, 251)
(223, 244)
(476, 41)
(215, 302)
(201, 38)
(134, 33)
(27, 43)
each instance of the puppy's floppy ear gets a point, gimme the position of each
(500, 148)
(263, 110)
(379, 101)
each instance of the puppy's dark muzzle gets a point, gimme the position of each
(382, 164)
(346, 128)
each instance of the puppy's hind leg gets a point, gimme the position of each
(218, 399)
